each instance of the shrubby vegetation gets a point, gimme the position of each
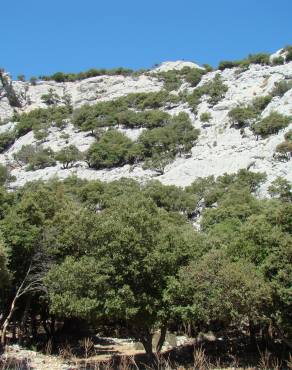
(288, 50)
(281, 87)
(117, 112)
(71, 77)
(214, 88)
(157, 146)
(271, 124)
(125, 256)
(243, 115)
(284, 149)
(7, 138)
(174, 78)
(113, 149)
(260, 58)
(35, 157)
(68, 156)
(40, 119)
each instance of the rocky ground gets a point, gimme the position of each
(220, 148)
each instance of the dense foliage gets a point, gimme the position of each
(126, 256)
(271, 124)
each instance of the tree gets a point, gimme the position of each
(124, 276)
(214, 289)
(111, 150)
(8, 90)
(282, 189)
(68, 156)
(271, 124)
(51, 98)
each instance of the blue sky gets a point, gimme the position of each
(41, 37)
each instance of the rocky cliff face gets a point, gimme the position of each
(220, 148)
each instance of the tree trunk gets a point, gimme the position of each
(159, 345)
(147, 343)
(7, 320)
(23, 330)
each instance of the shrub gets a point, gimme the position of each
(35, 157)
(51, 98)
(71, 77)
(288, 50)
(147, 119)
(33, 81)
(171, 79)
(194, 99)
(174, 78)
(260, 103)
(5, 175)
(227, 64)
(91, 117)
(194, 76)
(21, 78)
(111, 150)
(42, 158)
(205, 117)
(177, 137)
(272, 124)
(6, 140)
(68, 156)
(285, 149)
(278, 61)
(41, 118)
(281, 87)
(25, 154)
(152, 100)
(246, 114)
(215, 88)
(241, 115)
(260, 58)
(288, 136)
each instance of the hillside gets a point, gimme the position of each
(223, 145)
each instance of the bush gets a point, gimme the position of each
(25, 154)
(68, 156)
(147, 119)
(260, 58)
(35, 157)
(281, 87)
(171, 79)
(174, 78)
(227, 64)
(152, 100)
(51, 98)
(288, 136)
(113, 149)
(41, 118)
(91, 117)
(6, 140)
(5, 176)
(285, 149)
(164, 143)
(260, 103)
(272, 124)
(71, 77)
(278, 61)
(288, 50)
(215, 88)
(194, 76)
(241, 116)
(205, 117)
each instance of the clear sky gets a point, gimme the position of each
(44, 36)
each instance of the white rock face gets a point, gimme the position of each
(177, 65)
(220, 148)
